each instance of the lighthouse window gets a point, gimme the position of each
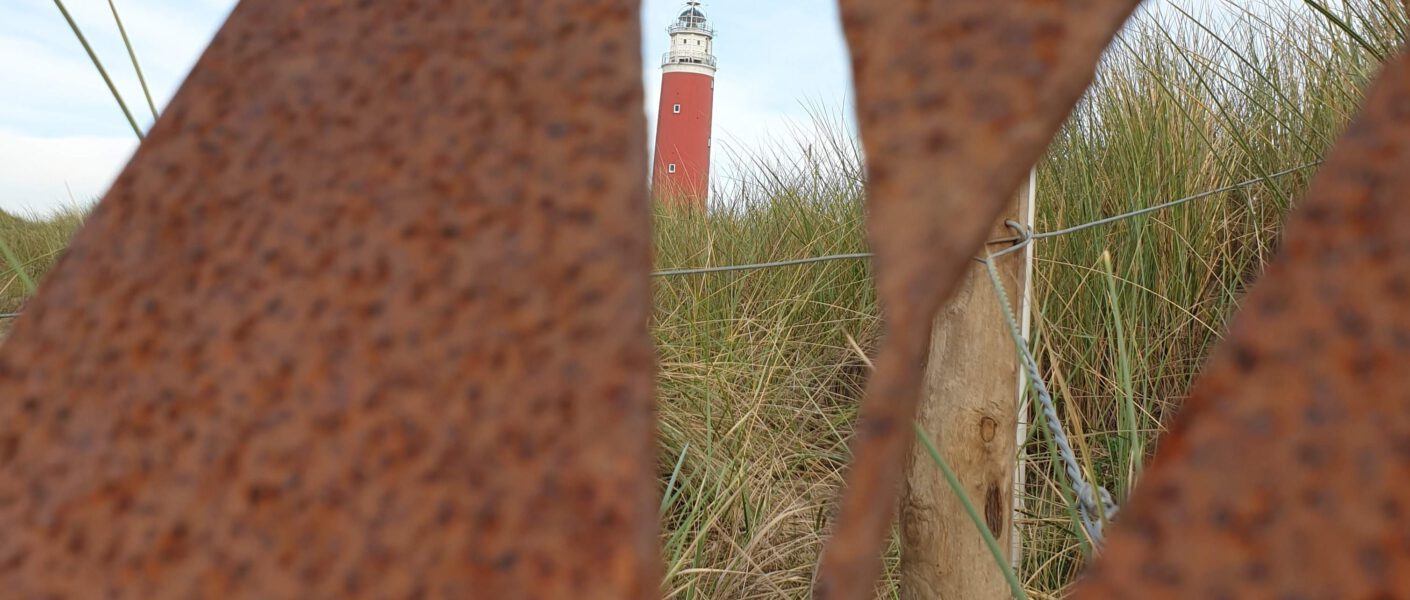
(676, 109)
(671, 168)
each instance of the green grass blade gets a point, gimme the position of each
(136, 66)
(17, 266)
(1132, 450)
(101, 71)
(1346, 28)
(670, 496)
(1000, 558)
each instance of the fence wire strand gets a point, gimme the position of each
(767, 265)
(1094, 504)
(1021, 240)
(1173, 203)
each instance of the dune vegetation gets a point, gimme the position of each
(761, 371)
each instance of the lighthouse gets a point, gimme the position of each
(681, 169)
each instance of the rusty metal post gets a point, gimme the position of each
(968, 407)
(366, 316)
(1285, 474)
(956, 100)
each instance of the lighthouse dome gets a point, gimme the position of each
(692, 16)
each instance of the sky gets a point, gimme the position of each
(63, 138)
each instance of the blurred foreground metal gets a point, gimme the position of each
(956, 101)
(366, 317)
(1286, 473)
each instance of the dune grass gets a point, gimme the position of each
(1177, 110)
(761, 375)
(761, 371)
(759, 380)
(28, 248)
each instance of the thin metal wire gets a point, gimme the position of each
(1024, 238)
(1087, 496)
(1094, 504)
(768, 265)
(1172, 203)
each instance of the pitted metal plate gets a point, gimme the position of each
(956, 100)
(1287, 475)
(365, 317)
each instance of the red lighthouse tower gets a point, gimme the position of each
(681, 171)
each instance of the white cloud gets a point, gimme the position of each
(59, 124)
(38, 173)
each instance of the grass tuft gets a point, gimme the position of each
(761, 371)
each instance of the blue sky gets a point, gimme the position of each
(63, 139)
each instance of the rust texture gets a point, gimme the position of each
(1287, 474)
(365, 317)
(956, 100)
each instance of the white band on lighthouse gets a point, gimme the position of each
(692, 43)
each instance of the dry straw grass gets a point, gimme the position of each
(761, 371)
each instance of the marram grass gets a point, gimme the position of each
(760, 374)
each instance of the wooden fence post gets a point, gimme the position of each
(970, 409)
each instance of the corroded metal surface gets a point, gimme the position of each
(956, 100)
(365, 317)
(1286, 474)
